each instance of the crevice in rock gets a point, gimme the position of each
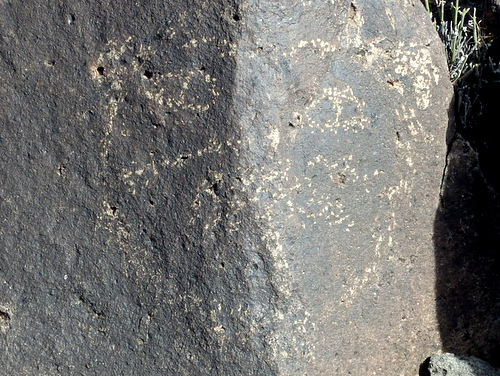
(467, 222)
(4, 320)
(424, 368)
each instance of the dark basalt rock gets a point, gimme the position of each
(123, 249)
(219, 188)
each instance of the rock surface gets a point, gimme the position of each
(219, 188)
(345, 121)
(455, 365)
(123, 248)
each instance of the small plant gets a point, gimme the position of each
(461, 34)
(471, 39)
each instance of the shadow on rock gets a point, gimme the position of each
(467, 244)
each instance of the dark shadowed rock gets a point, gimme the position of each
(219, 188)
(126, 245)
(467, 225)
(467, 238)
(455, 365)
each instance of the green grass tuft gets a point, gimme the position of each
(460, 31)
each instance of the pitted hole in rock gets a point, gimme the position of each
(93, 307)
(61, 169)
(296, 121)
(148, 74)
(215, 188)
(112, 210)
(4, 320)
(222, 265)
(341, 178)
(236, 17)
(100, 71)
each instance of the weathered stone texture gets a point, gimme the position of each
(219, 187)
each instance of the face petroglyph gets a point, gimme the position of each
(170, 90)
(124, 71)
